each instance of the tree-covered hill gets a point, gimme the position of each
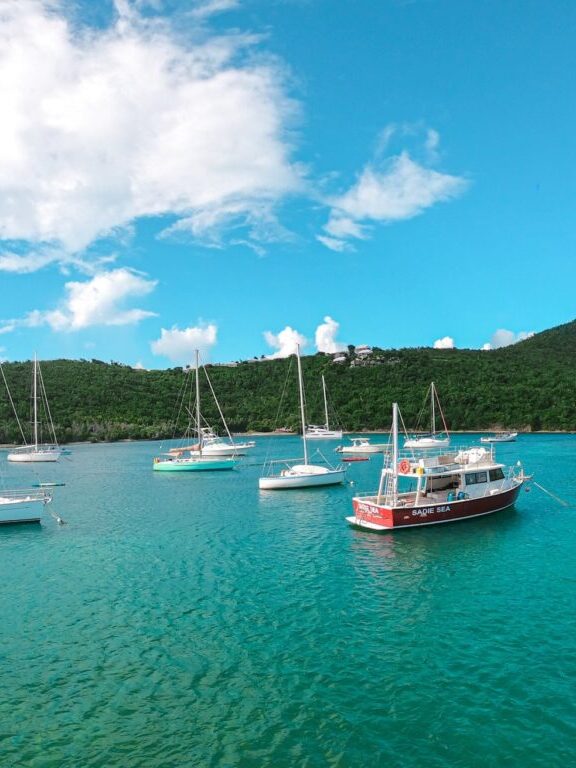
(527, 386)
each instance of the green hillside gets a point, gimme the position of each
(527, 386)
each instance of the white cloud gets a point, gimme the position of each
(400, 189)
(326, 334)
(179, 345)
(285, 342)
(447, 342)
(98, 301)
(504, 338)
(102, 127)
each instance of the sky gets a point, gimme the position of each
(240, 176)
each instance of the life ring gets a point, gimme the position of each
(404, 466)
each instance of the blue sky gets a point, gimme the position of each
(240, 175)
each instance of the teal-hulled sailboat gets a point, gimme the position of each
(189, 458)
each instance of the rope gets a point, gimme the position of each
(556, 498)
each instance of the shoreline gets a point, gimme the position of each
(10, 446)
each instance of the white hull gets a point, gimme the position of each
(302, 476)
(52, 454)
(364, 448)
(427, 442)
(21, 510)
(511, 438)
(326, 434)
(226, 449)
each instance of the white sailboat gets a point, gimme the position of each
(193, 458)
(304, 474)
(314, 432)
(433, 439)
(37, 451)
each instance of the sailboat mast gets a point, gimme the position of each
(35, 400)
(432, 399)
(302, 414)
(394, 453)
(198, 403)
(325, 404)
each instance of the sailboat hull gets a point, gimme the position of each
(34, 456)
(195, 464)
(292, 478)
(21, 510)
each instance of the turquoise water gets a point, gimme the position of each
(193, 620)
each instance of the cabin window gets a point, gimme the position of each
(496, 474)
(476, 477)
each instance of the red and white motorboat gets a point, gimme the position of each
(439, 488)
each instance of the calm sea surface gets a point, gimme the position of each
(193, 620)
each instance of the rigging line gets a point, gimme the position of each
(553, 495)
(46, 404)
(441, 411)
(420, 417)
(217, 404)
(13, 406)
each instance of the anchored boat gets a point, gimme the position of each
(193, 458)
(500, 437)
(439, 488)
(434, 439)
(37, 451)
(315, 432)
(302, 474)
(24, 505)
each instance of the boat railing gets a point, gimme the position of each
(434, 457)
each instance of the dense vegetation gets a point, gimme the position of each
(528, 386)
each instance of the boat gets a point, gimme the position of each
(356, 458)
(193, 458)
(36, 451)
(361, 445)
(315, 432)
(302, 474)
(214, 445)
(23, 505)
(500, 437)
(432, 439)
(440, 488)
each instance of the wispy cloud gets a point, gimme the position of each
(179, 345)
(206, 8)
(393, 189)
(102, 127)
(99, 301)
(325, 336)
(504, 338)
(285, 342)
